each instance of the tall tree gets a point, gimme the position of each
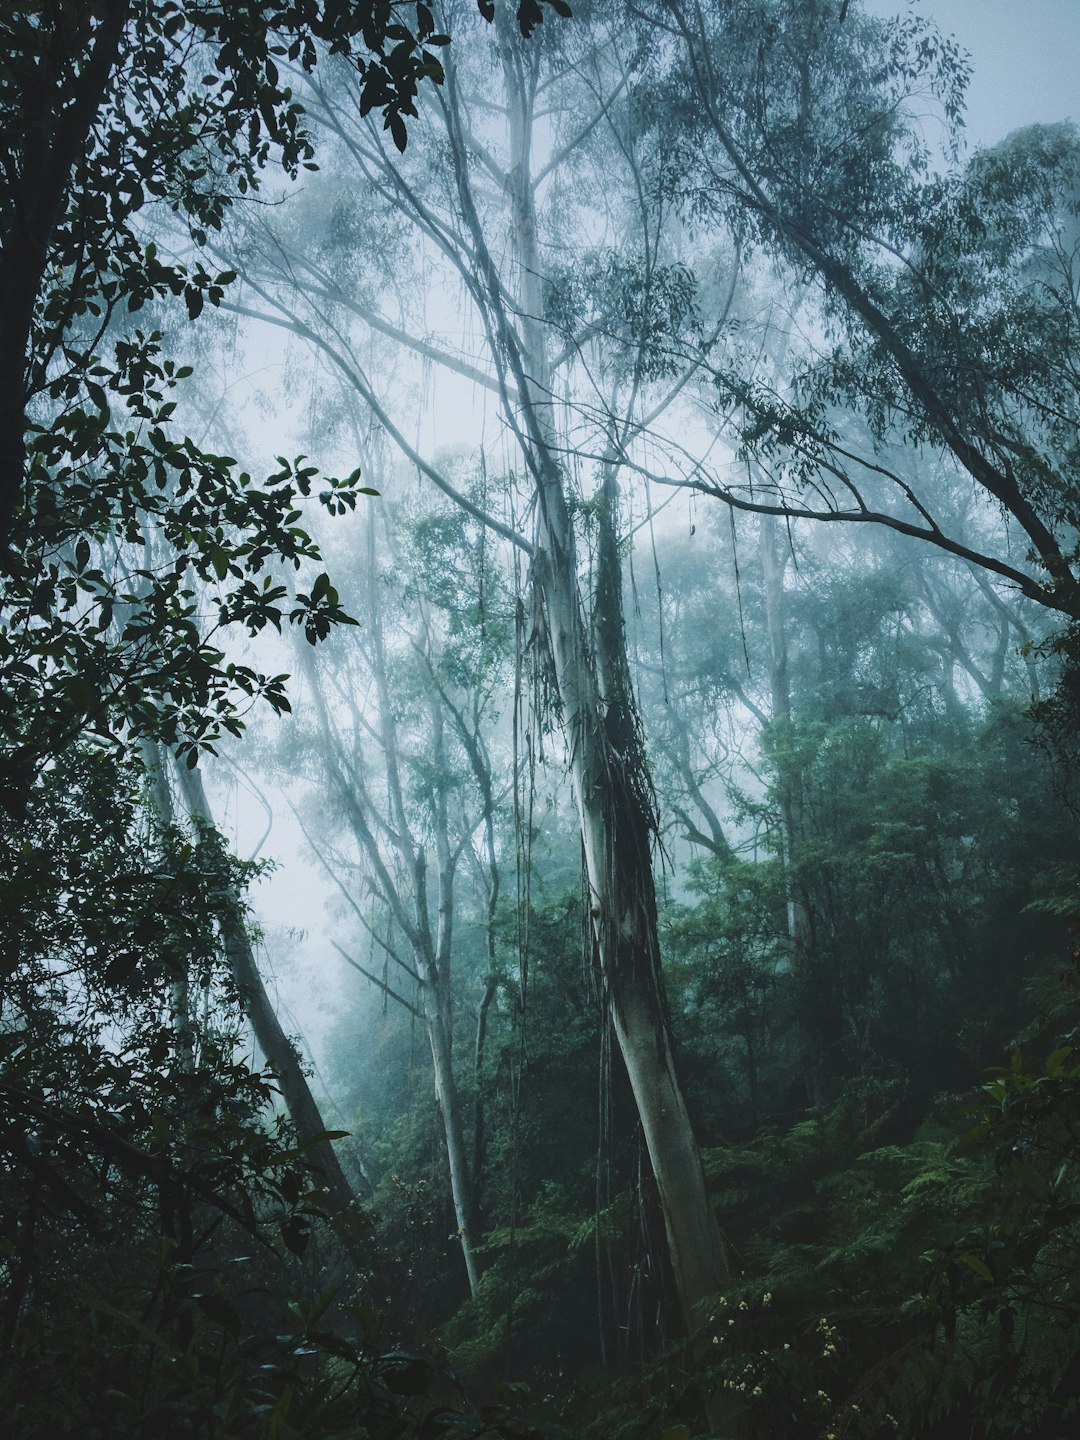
(949, 292)
(275, 1045)
(490, 190)
(401, 747)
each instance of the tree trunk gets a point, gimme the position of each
(56, 125)
(439, 1007)
(180, 986)
(479, 1109)
(432, 953)
(608, 771)
(773, 565)
(457, 1158)
(271, 1038)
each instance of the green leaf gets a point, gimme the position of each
(1031, 1178)
(322, 1135)
(980, 1267)
(281, 1409)
(216, 1308)
(972, 1137)
(219, 559)
(296, 1233)
(1055, 1061)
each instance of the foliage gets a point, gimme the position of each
(945, 293)
(857, 820)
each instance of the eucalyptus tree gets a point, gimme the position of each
(760, 680)
(404, 722)
(528, 190)
(945, 295)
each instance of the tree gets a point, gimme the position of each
(116, 113)
(398, 747)
(279, 1052)
(948, 297)
(491, 188)
(120, 533)
(103, 117)
(138, 1161)
(113, 526)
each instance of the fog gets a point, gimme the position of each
(540, 626)
(1023, 72)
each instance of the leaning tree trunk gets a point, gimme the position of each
(271, 1038)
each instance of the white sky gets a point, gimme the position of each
(1026, 56)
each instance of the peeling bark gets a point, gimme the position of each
(600, 721)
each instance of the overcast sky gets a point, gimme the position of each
(1026, 57)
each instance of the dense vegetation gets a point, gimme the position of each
(674, 709)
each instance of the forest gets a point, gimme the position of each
(540, 726)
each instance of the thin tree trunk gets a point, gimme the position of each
(479, 1110)
(773, 565)
(607, 765)
(456, 1153)
(180, 985)
(432, 953)
(271, 1038)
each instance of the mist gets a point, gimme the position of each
(539, 622)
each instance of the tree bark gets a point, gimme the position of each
(599, 717)
(773, 565)
(180, 985)
(57, 120)
(275, 1045)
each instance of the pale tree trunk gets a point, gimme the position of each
(713, 839)
(438, 1007)
(615, 803)
(482, 771)
(773, 565)
(468, 730)
(270, 1037)
(601, 725)
(479, 1150)
(432, 951)
(161, 803)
